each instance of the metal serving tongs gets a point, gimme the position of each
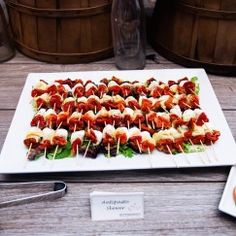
(59, 189)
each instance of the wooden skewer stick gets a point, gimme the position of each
(139, 124)
(193, 92)
(197, 105)
(118, 146)
(205, 150)
(86, 150)
(95, 110)
(202, 159)
(165, 110)
(45, 152)
(59, 125)
(88, 124)
(54, 106)
(108, 150)
(139, 148)
(68, 108)
(146, 120)
(40, 106)
(77, 155)
(77, 151)
(149, 158)
(153, 125)
(170, 152)
(28, 153)
(187, 105)
(162, 126)
(182, 150)
(38, 124)
(214, 152)
(75, 127)
(55, 152)
(128, 124)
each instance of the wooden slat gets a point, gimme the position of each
(103, 36)
(179, 44)
(170, 209)
(71, 28)
(225, 47)
(45, 44)
(14, 18)
(85, 36)
(29, 33)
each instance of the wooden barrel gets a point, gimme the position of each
(197, 33)
(62, 31)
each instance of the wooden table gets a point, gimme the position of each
(177, 202)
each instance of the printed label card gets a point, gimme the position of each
(116, 206)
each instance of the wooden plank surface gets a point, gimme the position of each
(177, 202)
(170, 209)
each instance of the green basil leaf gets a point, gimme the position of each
(190, 148)
(126, 151)
(197, 86)
(61, 152)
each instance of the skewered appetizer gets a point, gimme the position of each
(117, 117)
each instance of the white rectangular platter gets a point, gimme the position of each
(13, 155)
(227, 203)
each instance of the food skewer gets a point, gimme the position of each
(59, 126)
(211, 130)
(59, 139)
(139, 148)
(199, 154)
(214, 152)
(205, 150)
(118, 146)
(28, 152)
(55, 152)
(86, 150)
(173, 158)
(45, 152)
(122, 136)
(108, 150)
(182, 151)
(108, 138)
